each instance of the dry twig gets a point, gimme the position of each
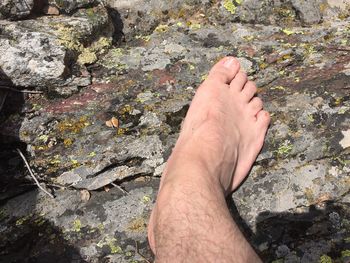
(22, 91)
(120, 188)
(32, 174)
(138, 252)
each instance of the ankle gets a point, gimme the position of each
(188, 169)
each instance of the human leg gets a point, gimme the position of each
(222, 134)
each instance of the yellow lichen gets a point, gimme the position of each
(68, 37)
(144, 38)
(68, 142)
(77, 225)
(126, 109)
(22, 220)
(44, 138)
(121, 131)
(325, 259)
(111, 243)
(55, 160)
(277, 88)
(345, 253)
(161, 28)
(204, 77)
(263, 65)
(87, 56)
(146, 199)
(114, 248)
(75, 163)
(73, 126)
(229, 6)
(249, 38)
(92, 154)
(117, 52)
(285, 148)
(194, 26)
(101, 44)
(288, 31)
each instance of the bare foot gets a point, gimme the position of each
(223, 131)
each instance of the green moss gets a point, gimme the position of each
(325, 259)
(229, 6)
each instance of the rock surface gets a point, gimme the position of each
(67, 6)
(16, 9)
(294, 206)
(43, 52)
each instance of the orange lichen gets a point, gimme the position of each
(73, 126)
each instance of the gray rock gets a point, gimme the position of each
(41, 52)
(68, 6)
(308, 11)
(282, 251)
(15, 9)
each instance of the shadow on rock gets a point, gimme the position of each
(118, 36)
(315, 233)
(33, 238)
(11, 116)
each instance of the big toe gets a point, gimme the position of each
(224, 71)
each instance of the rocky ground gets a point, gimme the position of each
(94, 93)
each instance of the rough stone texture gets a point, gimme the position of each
(136, 19)
(309, 11)
(294, 206)
(41, 52)
(68, 6)
(15, 9)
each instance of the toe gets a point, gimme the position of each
(249, 90)
(224, 71)
(263, 119)
(256, 105)
(239, 81)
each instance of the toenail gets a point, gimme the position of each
(229, 62)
